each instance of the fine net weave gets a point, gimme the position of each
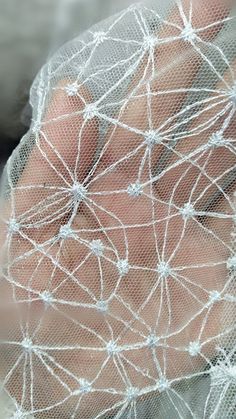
(118, 216)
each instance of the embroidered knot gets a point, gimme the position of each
(135, 189)
(97, 247)
(123, 267)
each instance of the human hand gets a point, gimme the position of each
(115, 264)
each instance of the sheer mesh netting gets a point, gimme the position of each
(118, 236)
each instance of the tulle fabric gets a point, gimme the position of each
(118, 222)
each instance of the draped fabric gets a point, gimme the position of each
(118, 216)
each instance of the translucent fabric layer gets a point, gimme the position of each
(118, 216)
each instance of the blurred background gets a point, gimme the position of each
(30, 30)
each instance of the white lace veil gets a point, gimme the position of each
(117, 292)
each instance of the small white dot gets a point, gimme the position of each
(152, 138)
(135, 189)
(194, 348)
(152, 341)
(164, 269)
(99, 37)
(216, 140)
(18, 414)
(80, 70)
(13, 226)
(85, 386)
(97, 247)
(163, 384)
(187, 211)
(39, 248)
(102, 306)
(132, 393)
(214, 296)
(79, 192)
(71, 89)
(47, 297)
(231, 263)
(123, 267)
(112, 348)
(66, 232)
(150, 42)
(90, 111)
(188, 33)
(27, 344)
